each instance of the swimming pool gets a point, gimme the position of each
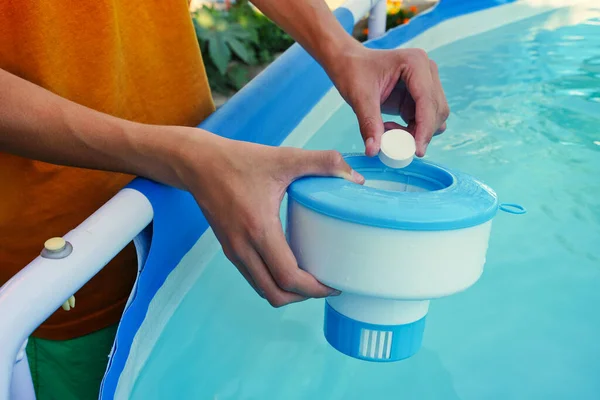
(525, 101)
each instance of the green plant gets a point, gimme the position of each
(220, 43)
(271, 38)
(234, 40)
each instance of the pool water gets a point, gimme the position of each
(525, 103)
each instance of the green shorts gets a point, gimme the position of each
(70, 369)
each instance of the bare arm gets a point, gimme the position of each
(37, 124)
(312, 24)
(405, 81)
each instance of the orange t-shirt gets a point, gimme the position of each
(134, 59)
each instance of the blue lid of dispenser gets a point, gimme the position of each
(422, 196)
(370, 342)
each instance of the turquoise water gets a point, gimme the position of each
(525, 103)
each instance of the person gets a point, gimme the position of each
(94, 93)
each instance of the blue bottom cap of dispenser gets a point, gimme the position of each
(370, 342)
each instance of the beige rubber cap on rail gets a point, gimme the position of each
(55, 244)
(397, 148)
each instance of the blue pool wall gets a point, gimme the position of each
(266, 111)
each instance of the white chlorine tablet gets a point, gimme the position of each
(397, 148)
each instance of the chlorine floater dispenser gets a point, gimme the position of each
(408, 235)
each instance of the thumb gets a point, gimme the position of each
(368, 112)
(324, 163)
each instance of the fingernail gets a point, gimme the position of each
(334, 292)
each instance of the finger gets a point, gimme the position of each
(279, 259)
(442, 104)
(265, 283)
(322, 163)
(425, 124)
(421, 87)
(368, 112)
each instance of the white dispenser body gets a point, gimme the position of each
(386, 263)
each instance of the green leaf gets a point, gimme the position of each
(218, 82)
(265, 56)
(253, 36)
(238, 76)
(239, 32)
(219, 53)
(253, 59)
(203, 35)
(239, 49)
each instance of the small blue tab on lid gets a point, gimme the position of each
(370, 342)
